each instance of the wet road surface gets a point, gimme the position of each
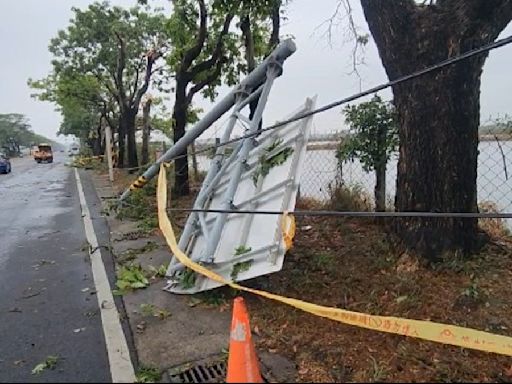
(47, 299)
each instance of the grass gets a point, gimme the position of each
(323, 260)
(148, 375)
(151, 310)
(377, 372)
(350, 198)
(148, 224)
(495, 228)
(140, 204)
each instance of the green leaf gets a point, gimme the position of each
(49, 363)
(241, 267)
(242, 249)
(148, 375)
(187, 279)
(131, 277)
(268, 161)
(138, 285)
(39, 368)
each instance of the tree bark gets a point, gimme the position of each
(439, 113)
(380, 170)
(245, 27)
(146, 131)
(121, 136)
(380, 188)
(276, 24)
(181, 177)
(128, 120)
(194, 162)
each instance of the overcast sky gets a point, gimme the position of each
(26, 26)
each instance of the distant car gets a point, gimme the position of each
(43, 153)
(5, 164)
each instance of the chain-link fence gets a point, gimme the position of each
(322, 171)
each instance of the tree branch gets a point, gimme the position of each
(195, 51)
(276, 25)
(344, 14)
(245, 26)
(208, 64)
(109, 87)
(152, 57)
(157, 69)
(136, 82)
(121, 64)
(206, 81)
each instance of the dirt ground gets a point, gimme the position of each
(351, 264)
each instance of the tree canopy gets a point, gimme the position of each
(15, 132)
(104, 63)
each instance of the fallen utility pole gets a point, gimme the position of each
(251, 83)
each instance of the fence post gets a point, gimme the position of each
(108, 145)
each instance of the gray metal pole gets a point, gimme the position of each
(213, 240)
(213, 173)
(201, 197)
(284, 50)
(108, 147)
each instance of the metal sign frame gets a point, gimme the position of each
(237, 246)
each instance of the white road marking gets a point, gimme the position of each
(121, 367)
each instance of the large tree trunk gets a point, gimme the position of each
(439, 114)
(245, 27)
(437, 168)
(146, 128)
(179, 116)
(121, 136)
(380, 188)
(380, 170)
(129, 123)
(97, 145)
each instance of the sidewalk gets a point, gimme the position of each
(185, 337)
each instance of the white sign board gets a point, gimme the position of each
(252, 245)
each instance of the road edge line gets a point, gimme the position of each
(121, 367)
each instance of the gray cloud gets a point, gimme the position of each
(26, 26)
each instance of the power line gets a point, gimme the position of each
(324, 213)
(332, 213)
(484, 49)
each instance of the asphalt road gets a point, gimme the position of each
(48, 305)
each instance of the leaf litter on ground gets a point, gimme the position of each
(130, 277)
(49, 363)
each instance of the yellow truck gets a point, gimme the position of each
(43, 153)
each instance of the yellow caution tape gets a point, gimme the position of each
(288, 230)
(437, 332)
(139, 183)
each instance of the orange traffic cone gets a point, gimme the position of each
(243, 366)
